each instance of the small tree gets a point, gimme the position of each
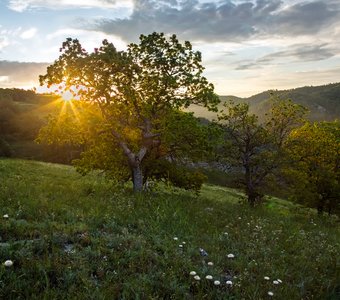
(314, 170)
(128, 96)
(255, 148)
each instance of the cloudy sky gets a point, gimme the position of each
(247, 45)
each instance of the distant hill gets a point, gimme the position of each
(22, 114)
(323, 101)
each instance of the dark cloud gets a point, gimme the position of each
(227, 20)
(21, 73)
(298, 53)
(305, 18)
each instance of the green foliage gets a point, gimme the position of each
(177, 175)
(135, 97)
(313, 170)
(76, 237)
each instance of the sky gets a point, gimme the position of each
(248, 46)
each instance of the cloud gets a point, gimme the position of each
(222, 20)
(22, 5)
(295, 53)
(247, 66)
(20, 74)
(304, 52)
(4, 42)
(29, 33)
(305, 18)
(89, 39)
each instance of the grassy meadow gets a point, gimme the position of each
(74, 237)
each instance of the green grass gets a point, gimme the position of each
(74, 237)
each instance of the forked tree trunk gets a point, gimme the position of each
(137, 178)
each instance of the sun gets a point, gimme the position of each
(67, 96)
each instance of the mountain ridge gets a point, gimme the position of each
(323, 101)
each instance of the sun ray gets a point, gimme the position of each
(74, 111)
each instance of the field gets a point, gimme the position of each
(74, 237)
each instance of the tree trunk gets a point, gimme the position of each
(137, 178)
(249, 187)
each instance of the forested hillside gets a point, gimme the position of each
(323, 102)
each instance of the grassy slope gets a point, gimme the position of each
(74, 237)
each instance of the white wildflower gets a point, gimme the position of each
(270, 294)
(5, 216)
(229, 282)
(279, 280)
(197, 278)
(217, 282)
(275, 282)
(210, 263)
(8, 263)
(175, 238)
(230, 255)
(183, 243)
(193, 273)
(266, 278)
(180, 245)
(209, 277)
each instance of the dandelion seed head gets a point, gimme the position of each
(8, 263)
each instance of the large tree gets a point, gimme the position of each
(255, 148)
(314, 170)
(128, 98)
